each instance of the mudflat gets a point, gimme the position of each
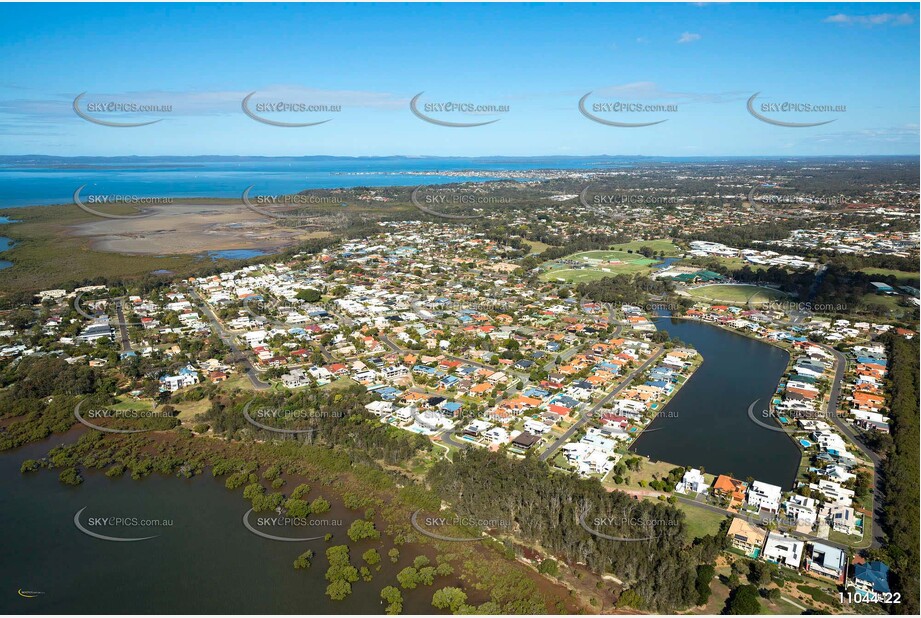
(183, 228)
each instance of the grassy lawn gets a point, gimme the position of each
(884, 304)
(852, 539)
(780, 608)
(648, 471)
(537, 246)
(905, 278)
(736, 293)
(600, 264)
(570, 275)
(611, 256)
(236, 380)
(818, 595)
(133, 404)
(730, 263)
(188, 409)
(660, 245)
(700, 522)
(342, 382)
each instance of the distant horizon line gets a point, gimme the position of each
(398, 156)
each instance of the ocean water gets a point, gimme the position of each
(33, 181)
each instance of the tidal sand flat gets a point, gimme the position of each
(184, 228)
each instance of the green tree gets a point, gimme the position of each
(449, 598)
(549, 566)
(371, 557)
(743, 601)
(338, 589)
(361, 529)
(319, 505)
(394, 599)
(408, 578)
(297, 508)
(303, 561)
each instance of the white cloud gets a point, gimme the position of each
(880, 19)
(651, 91)
(689, 37)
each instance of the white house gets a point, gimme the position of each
(692, 482)
(764, 496)
(802, 509)
(835, 493)
(187, 376)
(783, 549)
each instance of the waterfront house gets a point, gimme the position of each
(730, 488)
(692, 482)
(764, 496)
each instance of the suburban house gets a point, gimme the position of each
(764, 496)
(733, 489)
(187, 376)
(827, 561)
(747, 538)
(841, 518)
(783, 549)
(692, 482)
(871, 578)
(802, 509)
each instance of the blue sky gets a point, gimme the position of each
(705, 60)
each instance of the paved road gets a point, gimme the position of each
(848, 431)
(587, 415)
(122, 326)
(228, 339)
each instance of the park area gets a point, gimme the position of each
(593, 265)
(736, 294)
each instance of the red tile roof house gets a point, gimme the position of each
(799, 393)
(337, 369)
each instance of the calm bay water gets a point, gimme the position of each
(707, 424)
(205, 562)
(5, 243)
(40, 182)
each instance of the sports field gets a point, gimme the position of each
(665, 246)
(737, 294)
(592, 265)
